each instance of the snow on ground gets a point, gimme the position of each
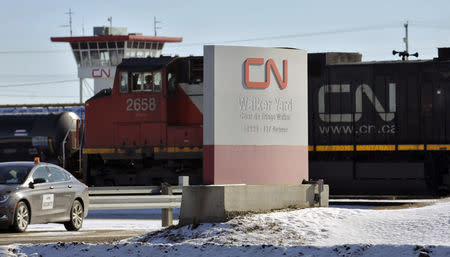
(336, 231)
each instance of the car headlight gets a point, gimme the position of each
(4, 198)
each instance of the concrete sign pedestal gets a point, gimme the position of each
(219, 203)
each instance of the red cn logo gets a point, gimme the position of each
(270, 64)
(99, 73)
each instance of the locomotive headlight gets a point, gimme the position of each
(4, 198)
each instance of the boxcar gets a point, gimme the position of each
(379, 127)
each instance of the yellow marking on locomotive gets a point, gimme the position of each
(334, 148)
(410, 147)
(367, 148)
(375, 148)
(438, 147)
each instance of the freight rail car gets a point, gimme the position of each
(379, 127)
(50, 135)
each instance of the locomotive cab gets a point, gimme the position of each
(147, 126)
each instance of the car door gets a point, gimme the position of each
(64, 192)
(41, 196)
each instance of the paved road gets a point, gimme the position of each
(87, 236)
(99, 227)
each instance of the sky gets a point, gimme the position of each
(35, 70)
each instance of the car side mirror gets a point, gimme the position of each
(36, 181)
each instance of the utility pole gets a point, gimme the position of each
(81, 90)
(405, 39)
(155, 27)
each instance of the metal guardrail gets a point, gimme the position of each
(130, 190)
(137, 197)
(120, 202)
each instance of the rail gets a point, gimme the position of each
(139, 197)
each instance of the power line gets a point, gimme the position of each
(309, 34)
(33, 51)
(36, 95)
(39, 83)
(440, 27)
(19, 75)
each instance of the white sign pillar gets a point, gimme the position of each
(255, 115)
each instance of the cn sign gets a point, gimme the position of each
(270, 65)
(101, 73)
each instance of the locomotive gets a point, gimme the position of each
(374, 127)
(148, 127)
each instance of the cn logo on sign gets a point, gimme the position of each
(100, 73)
(270, 65)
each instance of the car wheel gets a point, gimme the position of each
(21, 217)
(76, 217)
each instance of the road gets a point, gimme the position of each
(99, 227)
(87, 236)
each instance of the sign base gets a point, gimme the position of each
(218, 203)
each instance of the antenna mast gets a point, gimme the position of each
(405, 39)
(110, 25)
(155, 27)
(70, 21)
(405, 54)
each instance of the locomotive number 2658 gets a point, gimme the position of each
(141, 104)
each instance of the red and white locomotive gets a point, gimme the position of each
(148, 126)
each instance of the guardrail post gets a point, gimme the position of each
(166, 213)
(318, 184)
(183, 180)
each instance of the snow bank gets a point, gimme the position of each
(428, 225)
(305, 232)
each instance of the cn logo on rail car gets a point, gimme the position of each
(360, 90)
(270, 64)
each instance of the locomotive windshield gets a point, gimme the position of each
(140, 81)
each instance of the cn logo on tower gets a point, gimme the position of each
(100, 73)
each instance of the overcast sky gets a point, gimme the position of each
(35, 70)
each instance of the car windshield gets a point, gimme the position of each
(13, 174)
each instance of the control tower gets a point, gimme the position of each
(97, 56)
